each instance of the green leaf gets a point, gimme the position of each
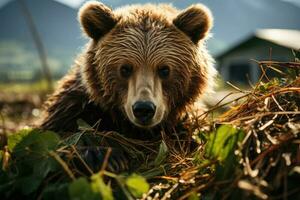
(56, 191)
(73, 139)
(33, 152)
(36, 144)
(33, 163)
(45, 166)
(222, 142)
(99, 186)
(15, 138)
(155, 171)
(221, 145)
(6, 188)
(82, 125)
(162, 154)
(80, 189)
(137, 185)
(29, 184)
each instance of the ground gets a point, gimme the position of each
(250, 151)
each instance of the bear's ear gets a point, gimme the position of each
(196, 21)
(96, 19)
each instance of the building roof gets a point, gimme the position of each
(283, 37)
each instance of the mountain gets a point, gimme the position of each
(57, 26)
(56, 23)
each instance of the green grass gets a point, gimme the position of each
(24, 88)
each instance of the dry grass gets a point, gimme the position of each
(268, 156)
(252, 151)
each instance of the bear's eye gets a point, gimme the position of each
(126, 71)
(163, 72)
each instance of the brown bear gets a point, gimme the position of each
(144, 65)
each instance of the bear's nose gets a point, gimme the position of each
(144, 111)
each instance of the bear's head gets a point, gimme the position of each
(148, 62)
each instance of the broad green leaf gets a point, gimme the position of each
(162, 154)
(229, 146)
(29, 184)
(36, 144)
(99, 186)
(221, 145)
(137, 185)
(15, 138)
(44, 166)
(31, 151)
(80, 189)
(223, 142)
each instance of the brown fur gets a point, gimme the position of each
(146, 36)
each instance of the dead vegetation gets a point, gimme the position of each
(264, 157)
(252, 151)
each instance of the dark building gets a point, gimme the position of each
(237, 64)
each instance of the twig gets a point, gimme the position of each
(197, 189)
(105, 161)
(235, 87)
(262, 115)
(81, 160)
(63, 164)
(219, 105)
(269, 150)
(167, 195)
(285, 64)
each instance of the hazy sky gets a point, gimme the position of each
(72, 3)
(294, 1)
(76, 3)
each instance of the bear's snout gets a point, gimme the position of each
(144, 111)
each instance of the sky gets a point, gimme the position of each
(72, 3)
(294, 1)
(77, 3)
